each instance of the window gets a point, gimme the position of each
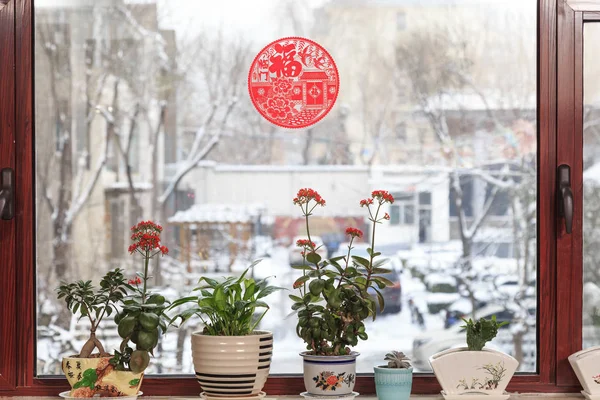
(171, 116)
(402, 212)
(449, 212)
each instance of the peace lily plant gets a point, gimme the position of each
(230, 310)
(335, 297)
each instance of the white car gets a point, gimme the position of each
(295, 251)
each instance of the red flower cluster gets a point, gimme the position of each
(382, 196)
(304, 196)
(135, 281)
(147, 225)
(366, 202)
(146, 238)
(386, 216)
(354, 232)
(305, 243)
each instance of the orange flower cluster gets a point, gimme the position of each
(305, 243)
(304, 196)
(135, 281)
(146, 238)
(382, 196)
(354, 232)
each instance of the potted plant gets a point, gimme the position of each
(335, 297)
(231, 358)
(140, 317)
(586, 363)
(394, 380)
(474, 369)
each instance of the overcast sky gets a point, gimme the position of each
(254, 18)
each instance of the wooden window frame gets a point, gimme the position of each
(559, 305)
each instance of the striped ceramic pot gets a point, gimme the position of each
(232, 365)
(329, 375)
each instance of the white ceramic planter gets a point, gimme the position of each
(329, 375)
(232, 366)
(586, 364)
(463, 372)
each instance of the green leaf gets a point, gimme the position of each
(362, 261)
(301, 280)
(380, 299)
(267, 291)
(295, 298)
(383, 281)
(134, 382)
(313, 257)
(303, 267)
(381, 270)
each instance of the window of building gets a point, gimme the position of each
(453, 215)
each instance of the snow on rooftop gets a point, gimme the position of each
(219, 213)
(125, 185)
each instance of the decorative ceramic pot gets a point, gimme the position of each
(460, 371)
(101, 374)
(232, 365)
(329, 375)
(393, 383)
(586, 364)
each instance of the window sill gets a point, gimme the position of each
(523, 396)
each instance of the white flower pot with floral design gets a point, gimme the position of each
(329, 375)
(463, 372)
(586, 364)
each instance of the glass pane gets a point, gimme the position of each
(591, 188)
(143, 112)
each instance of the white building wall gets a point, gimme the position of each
(341, 186)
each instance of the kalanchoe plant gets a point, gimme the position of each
(227, 307)
(397, 359)
(94, 304)
(143, 312)
(334, 295)
(481, 332)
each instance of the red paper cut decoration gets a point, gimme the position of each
(293, 82)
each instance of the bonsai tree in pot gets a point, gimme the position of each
(475, 368)
(334, 298)
(231, 357)
(138, 313)
(394, 380)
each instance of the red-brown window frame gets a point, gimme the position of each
(559, 270)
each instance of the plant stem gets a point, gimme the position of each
(370, 269)
(347, 261)
(146, 262)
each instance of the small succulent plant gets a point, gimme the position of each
(397, 359)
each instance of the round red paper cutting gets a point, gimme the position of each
(293, 82)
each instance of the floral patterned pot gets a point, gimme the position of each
(460, 371)
(586, 364)
(232, 366)
(393, 383)
(85, 373)
(329, 375)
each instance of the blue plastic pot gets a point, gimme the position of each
(393, 383)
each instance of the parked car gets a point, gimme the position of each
(295, 251)
(430, 343)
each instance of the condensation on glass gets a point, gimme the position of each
(142, 111)
(591, 186)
